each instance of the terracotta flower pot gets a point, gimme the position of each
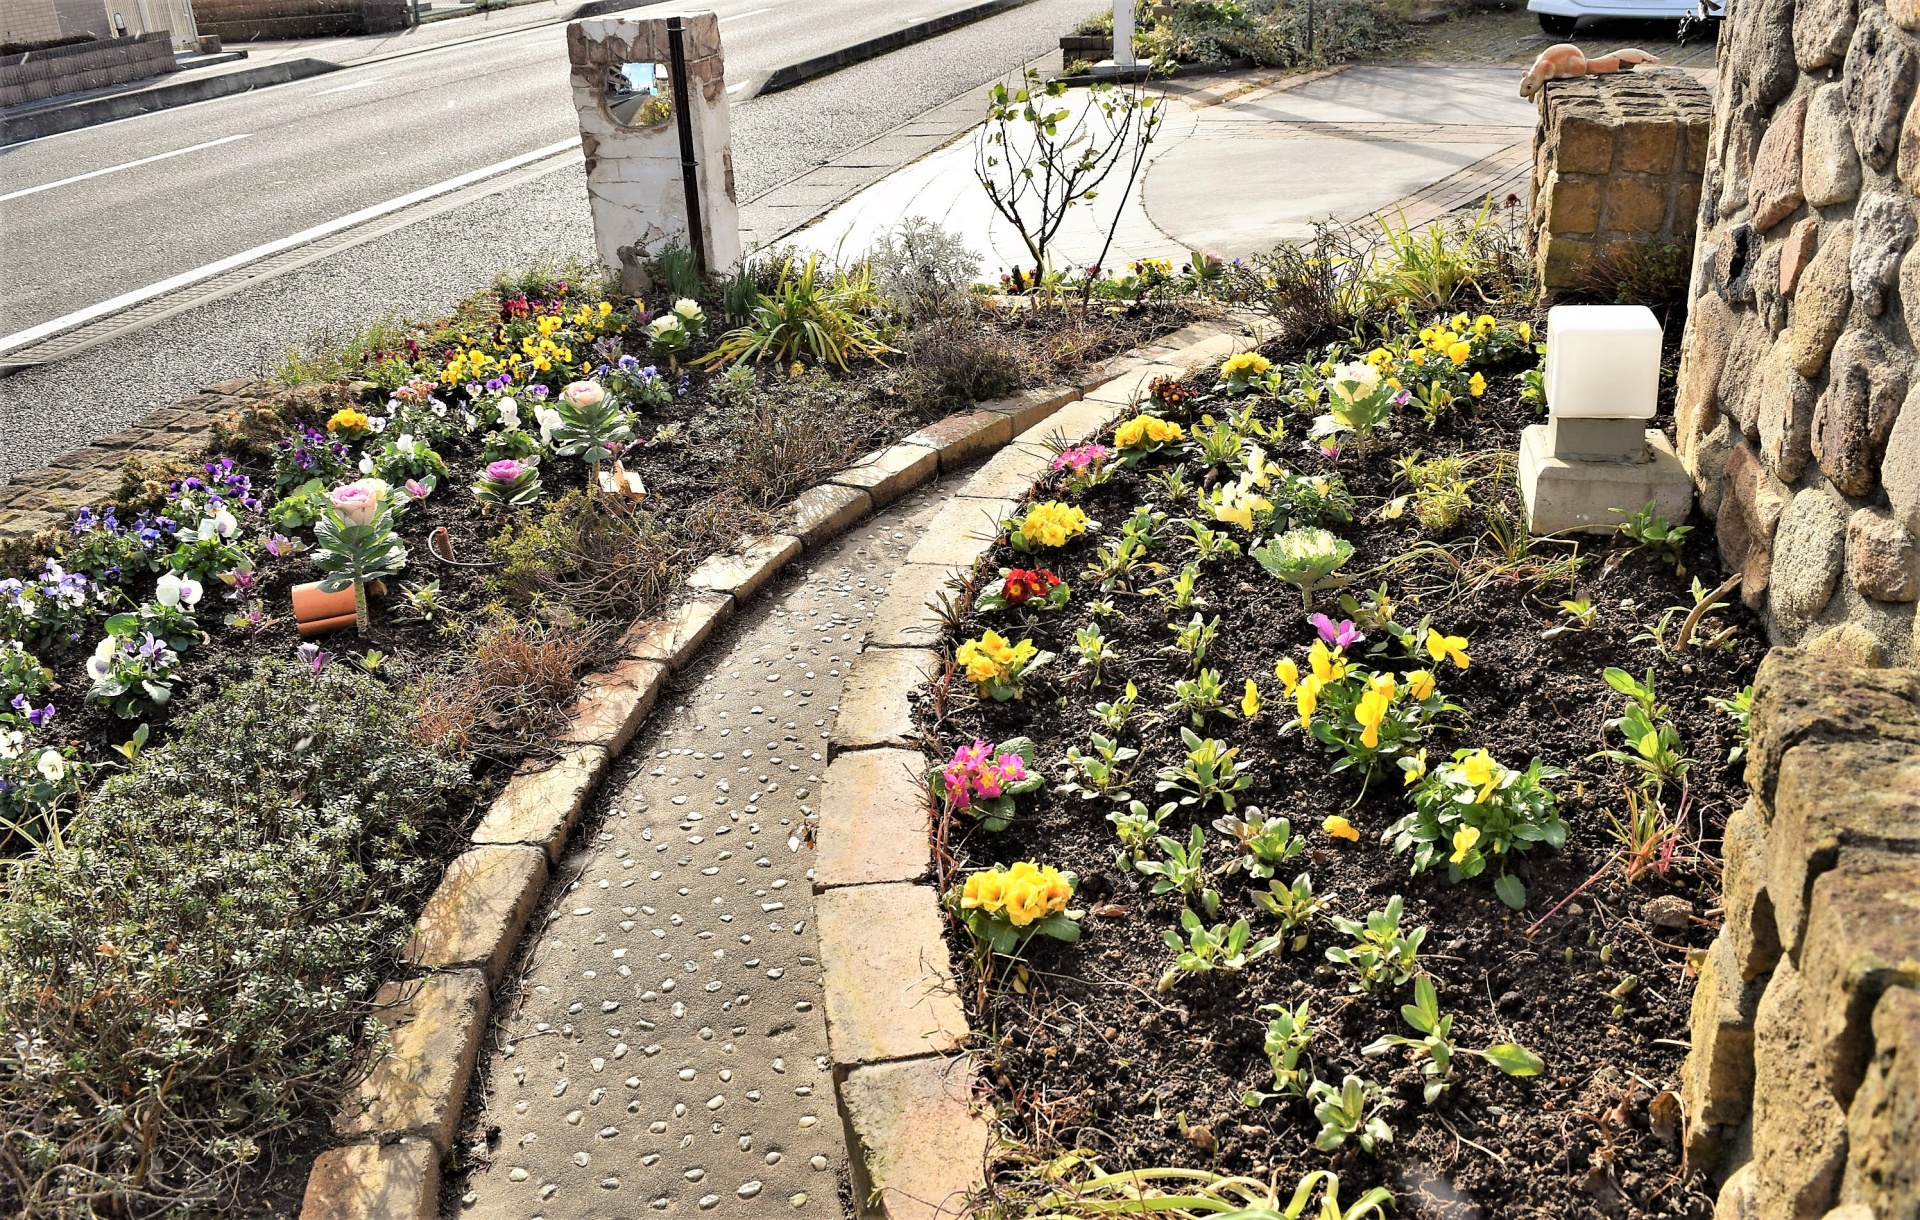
(316, 612)
(323, 626)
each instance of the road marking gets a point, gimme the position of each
(114, 169)
(359, 84)
(737, 16)
(186, 278)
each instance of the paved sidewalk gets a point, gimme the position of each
(1345, 144)
(667, 1049)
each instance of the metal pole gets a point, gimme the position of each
(683, 119)
(1123, 33)
(1309, 27)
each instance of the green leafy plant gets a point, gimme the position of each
(1649, 530)
(1137, 827)
(1295, 906)
(1309, 559)
(1740, 707)
(1094, 652)
(1471, 811)
(1265, 843)
(806, 316)
(1101, 771)
(1192, 639)
(1209, 771)
(1381, 953)
(1434, 1050)
(1208, 949)
(1581, 614)
(1184, 871)
(1202, 697)
(1653, 744)
(1289, 1034)
(1350, 1112)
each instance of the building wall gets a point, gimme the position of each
(28, 21)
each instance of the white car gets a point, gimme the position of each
(1558, 17)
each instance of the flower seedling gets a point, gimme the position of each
(1653, 744)
(1115, 714)
(1192, 639)
(1580, 615)
(1209, 771)
(1295, 906)
(1265, 843)
(1184, 871)
(1288, 1036)
(1180, 592)
(1209, 949)
(1209, 544)
(1202, 697)
(1309, 559)
(1137, 827)
(1350, 1112)
(1649, 530)
(1471, 811)
(1004, 908)
(1094, 652)
(1380, 952)
(1101, 772)
(1740, 708)
(1434, 1049)
(983, 780)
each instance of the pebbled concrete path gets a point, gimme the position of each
(666, 1051)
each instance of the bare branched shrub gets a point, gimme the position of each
(509, 690)
(1312, 288)
(788, 431)
(963, 360)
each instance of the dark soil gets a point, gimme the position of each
(1090, 1056)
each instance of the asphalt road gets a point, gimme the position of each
(318, 149)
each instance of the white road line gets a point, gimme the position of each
(737, 16)
(186, 278)
(359, 84)
(114, 169)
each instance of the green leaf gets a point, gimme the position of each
(1511, 891)
(1514, 1059)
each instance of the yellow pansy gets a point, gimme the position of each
(1459, 351)
(1525, 332)
(1477, 386)
(1463, 841)
(1448, 648)
(1416, 772)
(1479, 770)
(1328, 666)
(1370, 712)
(1379, 356)
(1484, 324)
(1420, 683)
(1288, 673)
(1339, 828)
(1250, 702)
(1306, 697)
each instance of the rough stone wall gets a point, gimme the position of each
(1795, 411)
(1806, 1017)
(88, 65)
(1617, 159)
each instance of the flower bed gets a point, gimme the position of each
(1390, 831)
(247, 712)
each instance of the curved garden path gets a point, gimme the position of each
(665, 1049)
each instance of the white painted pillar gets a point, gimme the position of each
(1123, 33)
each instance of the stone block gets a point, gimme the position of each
(1751, 503)
(874, 705)
(1009, 474)
(1585, 146)
(1736, 1199)
(1716, 1082)
(824, 512)
(677, 636)
(1862, 938)
(874, 819)
(433, 1027)
(1573, 204)
(1131, 386)
(906, 617)
(1799, 1130)
(1855, 413)
(397, 1181)
(1883, 1123)
(1647, 146)
(890, 473)
(1848, 643)
(1635, 206)
(1900, 467)
(478, 911)
(1809, 550)
(1835, 800)
(1829, 166)
(1821, 31)
(1563, 496)
(746, 573)
(888, 981)
(919, 1141)
(962, 531)
(1748, 926)
(540, 807)
(1878, 78)
(1198, 347)
(963, 438)
(1564, 262)
(1075, 422)
(1030, 407)
(1798, 699)
(1821, 302)
(1799, 247)
(1883, 228)
(613, 704)
(1774, 189)
(1883, 556)
(1782, 409)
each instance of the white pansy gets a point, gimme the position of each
(509, 413)
(100, 664)
(224, 523)
(52, 766)
(10, 742)
(548, 419)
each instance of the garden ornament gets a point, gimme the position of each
(1563, 60)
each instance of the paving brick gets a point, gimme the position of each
(1131, 386)
(433, 1026)
(905, 617)
(675, 637)
(874, 819)
(1075, 422)
(398, 1181)
(919, 1140)
(822, 513)
(874, 706)
(961, 531)
(613, 703)
(890, 473)
(746, 573)
(478, 911)
(1010, 473)
(1029, 407)
(540, 807)
(888, 980)
(961, 438)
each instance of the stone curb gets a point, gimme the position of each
(889, 1008)
(895, 1027)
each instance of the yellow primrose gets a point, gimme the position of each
(1459, 351)
(992, 658)
(1477, 386)
(1288, 673)
(1146, 430)
(1463, 841)
(1339, 828)
(1245, 364)
(1448, 647)
(1420, 683)
(1250, 702)
(985, 890)
(346, 419)
(1052, 523)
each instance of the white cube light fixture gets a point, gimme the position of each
(1603, 361)
(1595, 459)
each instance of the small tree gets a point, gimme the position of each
(1037, 155)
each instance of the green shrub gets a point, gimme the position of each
(810, 314)
(184, 979)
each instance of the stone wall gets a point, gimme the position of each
(1805, 1070)
(1794, 411)
(35, 75)
(1617, 160)
(247, 20)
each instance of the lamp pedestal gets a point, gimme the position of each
(1574, 474)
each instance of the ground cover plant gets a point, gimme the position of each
(1390, 829)
(1270, 33)
(216, 830)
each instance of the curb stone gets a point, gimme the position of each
(873, 819)
(897, 1098)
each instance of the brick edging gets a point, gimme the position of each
(400, 1120)
(896, 1028)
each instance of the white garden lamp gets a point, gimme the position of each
(1595, 458)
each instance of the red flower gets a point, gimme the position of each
(1024, 584)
